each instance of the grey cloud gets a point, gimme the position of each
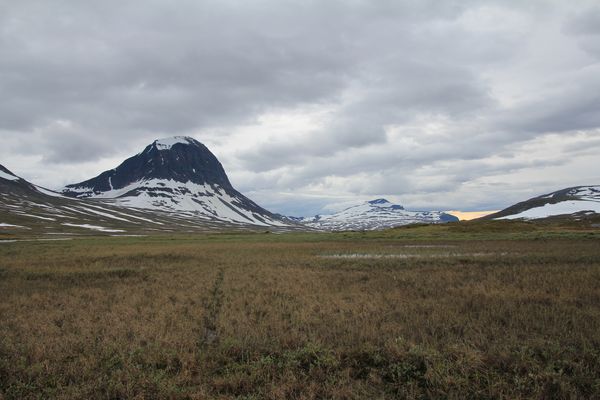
(131, 68)
(412, 85)
(79, 148)
(64, 142)
(589, 144)
(572, 108)
(158, 68)
(584, 22)
(362, 124)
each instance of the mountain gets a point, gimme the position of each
(179, 175)
(31, 210)
(11, 185)
(375, 214)
(574, 201)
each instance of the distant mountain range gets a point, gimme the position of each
(177, 184)
(375, 214)
(575, 202)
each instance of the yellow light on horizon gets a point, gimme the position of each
(468, 215)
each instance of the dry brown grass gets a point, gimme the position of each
(262, 317)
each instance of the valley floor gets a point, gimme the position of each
(499, 311)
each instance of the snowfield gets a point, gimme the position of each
(4, 225)
(562, 208)
(562, 202)
(48, 192)
(94, 227)
(167, 143)
(9, 177)
(200, 201)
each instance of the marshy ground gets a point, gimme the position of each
(491, 311)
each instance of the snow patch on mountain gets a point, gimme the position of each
(586, 192)
(9, 177)
(202, 201)
(5, 225)
(580, 199)
(167, 143)
(562, 208)
(48, 192)
(94, 227)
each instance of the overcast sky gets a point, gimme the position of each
(311, 105)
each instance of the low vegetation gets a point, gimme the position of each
(491, 311)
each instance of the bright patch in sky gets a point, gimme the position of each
(469, 215)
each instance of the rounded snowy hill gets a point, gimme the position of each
(376, 214)
(578, 200)
(177, 174)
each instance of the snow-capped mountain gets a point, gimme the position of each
(177, 174)
(578, 200)
(31, 210)
(375, 214)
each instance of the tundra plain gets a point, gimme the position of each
(480, 310)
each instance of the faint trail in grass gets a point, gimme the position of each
(209, 334)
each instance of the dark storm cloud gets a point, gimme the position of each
(128, 69)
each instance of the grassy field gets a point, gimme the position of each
(458, 311)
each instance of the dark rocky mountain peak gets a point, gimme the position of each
(180, 158)
(176, 175)
(385, 203)
(378, 201)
